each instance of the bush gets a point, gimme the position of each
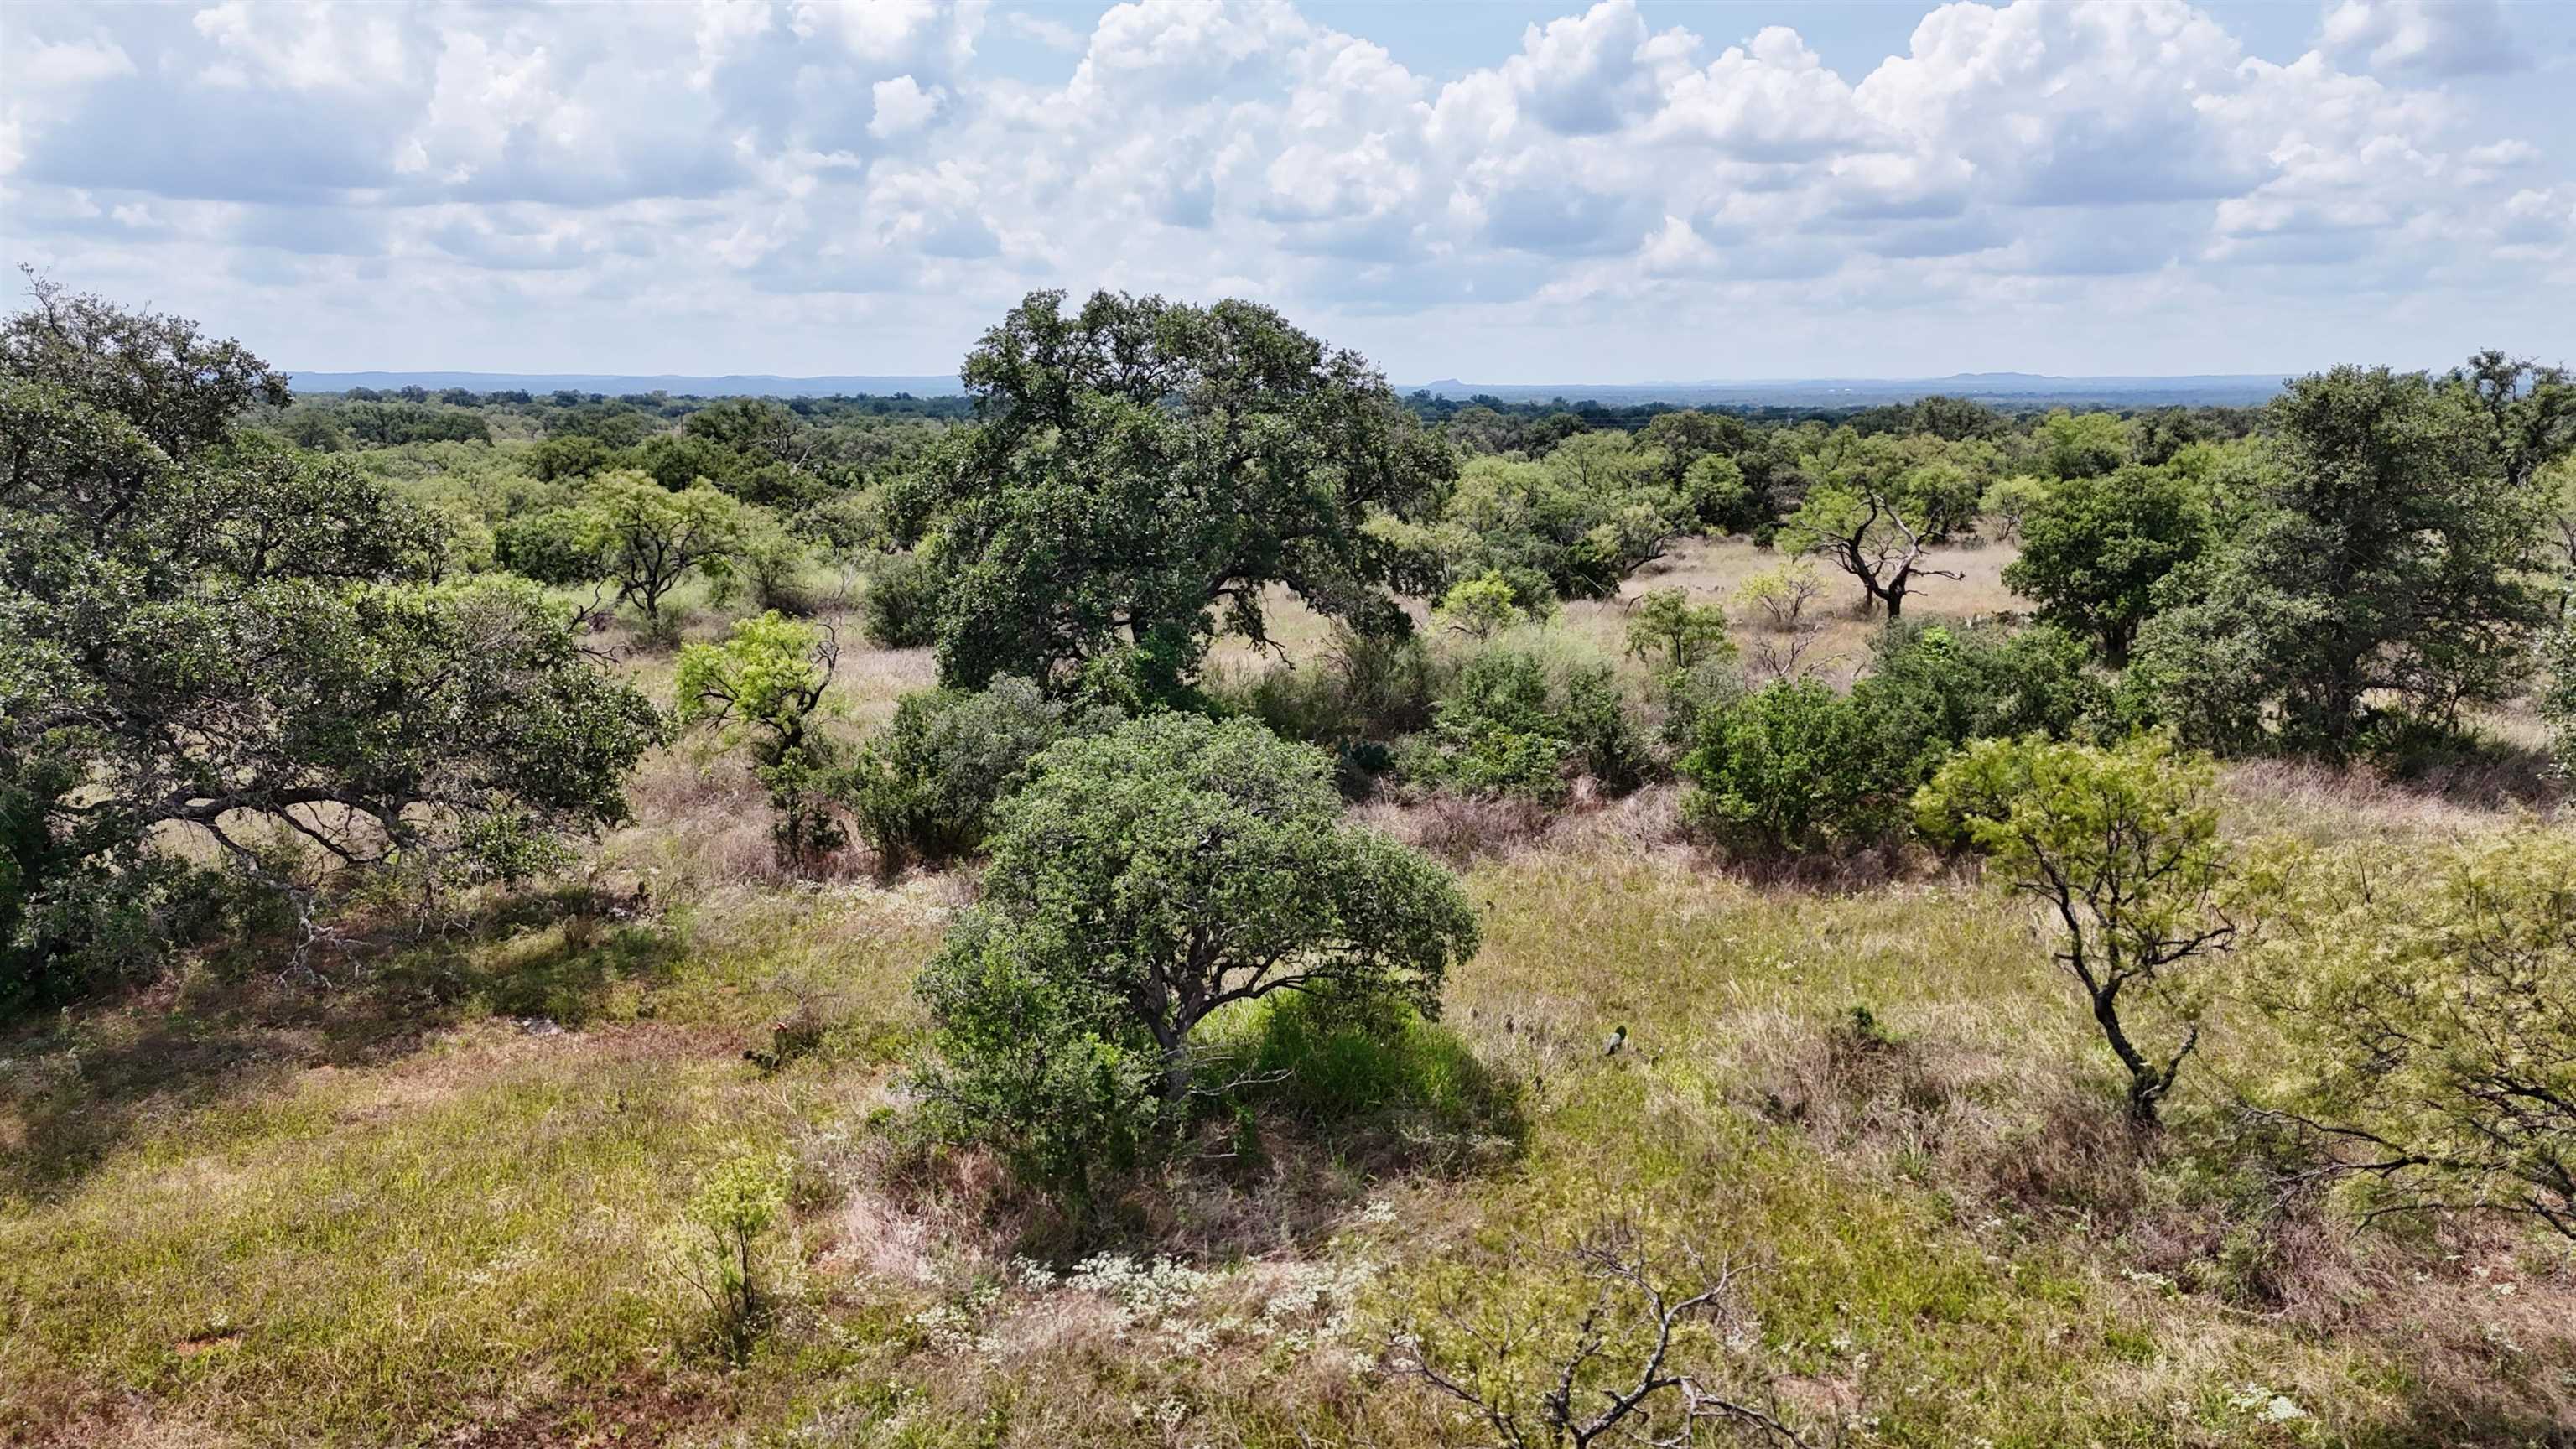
(1145, 878)
(901, 609)
(1367, 688)
(1597, 724)
(925, 788)
(1788, 769)
(1493, 731)
(1481, 606)
(1665, 622)
(1931, 688)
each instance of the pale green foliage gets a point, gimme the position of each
(1874, 513)
(761, 689)
(2119, 848)
(735, 1205)
(926, 786)
(2009, 500)
(1665, 627)
(2081, 445)
(1782, 592)
(1142, 880)
(1481, 606)
(649, 538)
(2427, 1000)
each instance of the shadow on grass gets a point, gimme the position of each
(78, 1086)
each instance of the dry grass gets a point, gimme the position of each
(441, 1202)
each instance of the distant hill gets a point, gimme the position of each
(618, 384)
(2023, 389)
(2008, 388)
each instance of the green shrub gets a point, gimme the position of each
(1932, 687)
(1791, 768)
(901, 609)
(1597, 724)
(1481, 606)
(1494, 731)
(1366, 688)
(925, 788)
(1145, 878)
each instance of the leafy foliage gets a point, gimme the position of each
(2120, 849)
(1665, 623)
(927, 786)
(2096, 546)
(2428, 1003)
(1144, 879)
(761, 689)
(1138, 463)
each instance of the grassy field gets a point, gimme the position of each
(443, 1201)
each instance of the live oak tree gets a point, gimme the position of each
(2095, 546)
(206, 634)
(2119, 849)
(1142, 880)
(1134, 467)
(2383, 548)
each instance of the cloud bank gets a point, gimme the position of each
(849, 185)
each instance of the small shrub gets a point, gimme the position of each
(1597, 724)
(1786, 770)
(1781, 593)
(1481, 606)
(901, 607)
(734, 1208)
(1367, 688)
(1493, 731)
(926, 787)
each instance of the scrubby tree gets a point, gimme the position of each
(202, 635)
(1481, 606)
(1665, 626)
(1791, 768)
(926, 786)
(761, 690)
(1782, 593)
(2119, 850)
(1136, 465)
(1142, 880)
(2095, 547)
(1862, 517)
(651, 539)
(2380, 549)
(2081, 445)
(2427, 1004)
(2010, 501)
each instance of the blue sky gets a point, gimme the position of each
(1502, 191)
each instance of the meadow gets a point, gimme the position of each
(435, 1188)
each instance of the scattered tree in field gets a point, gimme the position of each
(2095, 547)
(761, 689)
(2009, 501)
(1143, 879)
(1664, 625)
(2380, 548)
(204, 634)
(2119, 849)
(1782, 593)
(1138, 464)
(1482, 607)
(651, 539)
(2427, 1000)
(1863, 517)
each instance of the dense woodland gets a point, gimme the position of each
(1187, 897)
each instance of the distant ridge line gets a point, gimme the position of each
(2224, 389)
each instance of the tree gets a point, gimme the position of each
(1137, 464)
(1480, 606)
(926, 786)
(1791, 768)
(760, 690)
(2380, 548)
(202, 634)
(2119, 848)
(1142, 880)
(2010, 501)
(1782, 592)
(2095, 547)
(1666, 622)
(1861, 517)
(2427, 1005)
(650, 539)
(2081, 445)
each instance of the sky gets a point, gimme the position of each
(1490, 190)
